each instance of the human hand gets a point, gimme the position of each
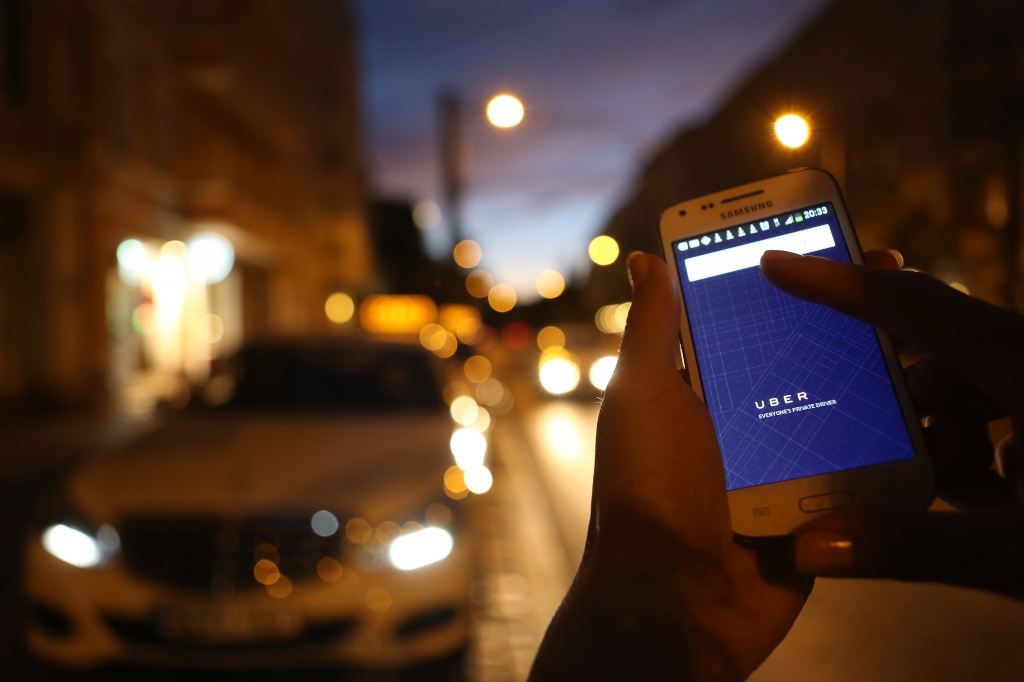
(664, 591)
(975, 374)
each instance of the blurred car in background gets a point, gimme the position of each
(577, 360)
(293, 515)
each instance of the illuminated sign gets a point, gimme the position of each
(396, 314)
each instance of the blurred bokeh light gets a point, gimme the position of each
(601, 372)
(550, 284)
(603, 250)
(479, 283)
(611, 319)
(339, 308)
(478, 479)
(792, 130)
(469, 447)
(396, 314)
(209, 257)
(502, 298)
(505, 111)
(426, 214)
(467, 254)
(421, 548)
(477, 368)
(559, 375)
(550, 336)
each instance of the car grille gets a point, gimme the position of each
(147, 631)
(219, 555)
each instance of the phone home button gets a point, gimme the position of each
(817, 503)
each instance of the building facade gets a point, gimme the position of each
(151, 121)
(917, 108)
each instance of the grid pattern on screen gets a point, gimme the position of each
(755, 343)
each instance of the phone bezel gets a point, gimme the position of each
(773, 509)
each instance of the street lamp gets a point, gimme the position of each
(505, 111)
(792, 130)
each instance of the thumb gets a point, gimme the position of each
(983, 549)
(652, 328)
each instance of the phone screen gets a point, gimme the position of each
(794, 389)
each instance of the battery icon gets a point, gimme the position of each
(799, 219)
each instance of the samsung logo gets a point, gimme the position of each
(743, 210)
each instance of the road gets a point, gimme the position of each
(530, 531)
(850, 630)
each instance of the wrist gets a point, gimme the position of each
(666, 597)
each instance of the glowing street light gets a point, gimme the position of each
(792, 130)
(505, 111)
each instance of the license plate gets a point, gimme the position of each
(230, 625)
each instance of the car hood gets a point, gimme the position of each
(245, 465)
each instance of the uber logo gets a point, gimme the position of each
(774, 402)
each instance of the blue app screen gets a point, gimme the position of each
(794, 389)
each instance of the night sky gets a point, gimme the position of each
(603, 82)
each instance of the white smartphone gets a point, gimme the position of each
(810, 406)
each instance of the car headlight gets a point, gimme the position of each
(420, 548)
(80, 546)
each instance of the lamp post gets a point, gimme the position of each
(503, 111)
(450, 114)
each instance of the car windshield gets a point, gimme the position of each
(326, 378)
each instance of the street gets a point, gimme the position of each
(529, 532)
(307, 309)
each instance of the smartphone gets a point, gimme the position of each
(810, 406)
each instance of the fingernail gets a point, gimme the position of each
(779, 255)
(824, 553)
(638, 268)
(898, 257)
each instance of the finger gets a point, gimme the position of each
(953, 441)
(972, 488)
(962, 454)
(979, 339)
(652, 328)
(900, 346)
(982, 549)
(884, 259)
(888, 259)
(1010, 462)
(938, 388)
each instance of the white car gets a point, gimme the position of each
(299, 518)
